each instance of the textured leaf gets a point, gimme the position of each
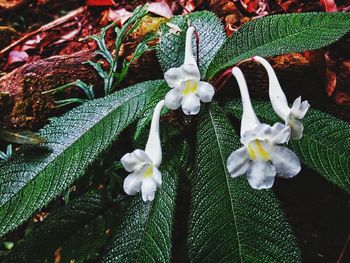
(230, 221)
(325, 146)
(145, 234)
(171, 49)
(79, 229)
(280, 34)
(33, 178)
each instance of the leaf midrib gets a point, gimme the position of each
(227, 185)
(59, 155)
(228, 64)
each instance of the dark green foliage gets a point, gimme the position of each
(230, 221)
(145, 234)
(325, 146)
(172, 46)
(280, 34)
(32, 179)
(79, 229)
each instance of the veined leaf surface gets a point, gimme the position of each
(280, 34)
(230, 221)
(30, 180)
(78, 230)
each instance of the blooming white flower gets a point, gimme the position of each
(187, 89)
(291, 116)
(143, 165)
(262, 157)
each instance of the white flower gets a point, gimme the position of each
(291, 116)
(143, 165)
(262, 157)
(187, 89)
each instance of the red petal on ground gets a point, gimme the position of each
(160, 8)
(100, 3)
(31, 43)
(121, 15)
(331, 82)
(253, 6)
(329, 5)
(17, 56)
(189, 6)
(342, 98)
(68, 36)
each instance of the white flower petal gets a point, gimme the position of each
(296, 104)
(286, 162)
(205, 91)
(173, 99)
(303, 109)
(297, 128)
(299, 108)
(261, 175)
(174, 77)
(280, 133)
(135, 161)
(148, 189)
(249, 119)
(190, 72)
(132, 183)
(190, 104)
(277, 134)
(238, 162)
(157, 177)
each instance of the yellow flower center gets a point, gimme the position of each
(190, 88)
(255, 150)
(149, 171)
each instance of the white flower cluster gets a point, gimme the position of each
(262, 156)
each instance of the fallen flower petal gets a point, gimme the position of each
(119, 16)
(160, 8)
(17, 56)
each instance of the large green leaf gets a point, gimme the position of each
(80, 229)
(230, 221)
(145, 234)
(280, 34)
(33, 178)
(325, 146)
(171, 48)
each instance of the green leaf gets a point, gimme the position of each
(79, 229)
(325, 146)
(230, 221)
(31, 179)
(171, 48)
(280, 34)
(145, 234)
